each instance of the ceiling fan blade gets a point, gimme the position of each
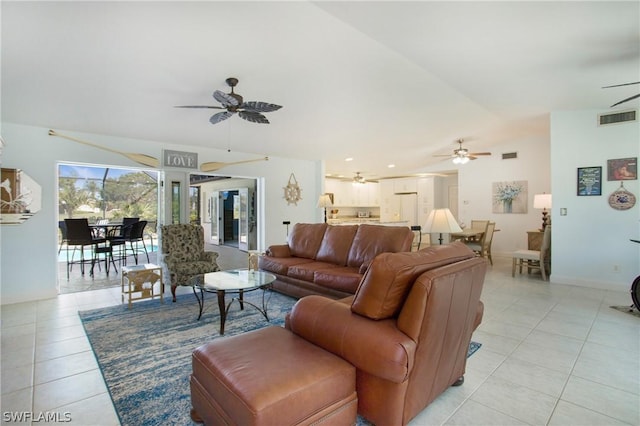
(626, 100)
(198, 106)
(254, 117)
(253, 106)
(221, 116)
(225, 99)
(445, 155)
(472, 157)
(620, 85)
(479, 153)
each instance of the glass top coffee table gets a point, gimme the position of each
(235, 282)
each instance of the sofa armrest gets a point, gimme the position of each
(376, 347)
(281, 250)
(209, 256)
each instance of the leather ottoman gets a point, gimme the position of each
(271, 377)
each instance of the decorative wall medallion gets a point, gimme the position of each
(621, 199)
(292, 192)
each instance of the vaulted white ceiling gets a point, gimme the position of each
(382, 82)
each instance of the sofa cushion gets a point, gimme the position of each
(305, 271)
(280, 265)
(344, 278)
(305, 238)
(336, 244)
(388, 280)
(371, 240)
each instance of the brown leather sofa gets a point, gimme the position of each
(330, 260)
(406, 330)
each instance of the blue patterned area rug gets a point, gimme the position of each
(145, 353)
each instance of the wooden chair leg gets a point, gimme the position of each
(513, 267)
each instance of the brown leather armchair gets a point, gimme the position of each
(406, 330)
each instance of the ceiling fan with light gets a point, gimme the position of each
(462, 155)
(359, 179)
(234, 103)
(627, 99)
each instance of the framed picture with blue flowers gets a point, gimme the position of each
(510, 197)
(589, 181)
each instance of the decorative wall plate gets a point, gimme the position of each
(621, 199)
(292, 192)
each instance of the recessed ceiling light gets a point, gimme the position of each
(391, 166)
(348, 159)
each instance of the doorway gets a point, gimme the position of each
(103, 195)
(230, 217)
(227, 208)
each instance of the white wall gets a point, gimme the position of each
(28, 258)
(475, 181)
(593, 238)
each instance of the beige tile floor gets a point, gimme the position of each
(551, 354)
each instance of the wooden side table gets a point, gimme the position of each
(138, 282)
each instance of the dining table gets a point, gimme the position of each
(468, 234)
(104, 230)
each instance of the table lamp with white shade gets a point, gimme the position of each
(542, 201)
(441, 221)
(324, 201)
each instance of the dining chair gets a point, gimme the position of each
(483, 247)
(479, 224)
(535, 259)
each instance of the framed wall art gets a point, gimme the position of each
(589, 181)
(622, 169)
(510, 197)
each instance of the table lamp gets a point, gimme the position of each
(441, 221)
(324, 201)
(542, 201)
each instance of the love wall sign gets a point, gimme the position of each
(181, 159)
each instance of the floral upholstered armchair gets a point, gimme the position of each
(184, 255)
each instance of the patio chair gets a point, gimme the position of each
(119, 236)
(135, 238)
(79, 234)
(184, 255)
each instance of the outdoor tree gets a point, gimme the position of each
(70, 196)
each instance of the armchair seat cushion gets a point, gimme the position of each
(186, 270)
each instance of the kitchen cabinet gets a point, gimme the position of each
(426, 195)
(346, 194)
(389, 201)
(395, 204)
(405, 185)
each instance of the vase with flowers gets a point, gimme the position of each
(505, 193)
